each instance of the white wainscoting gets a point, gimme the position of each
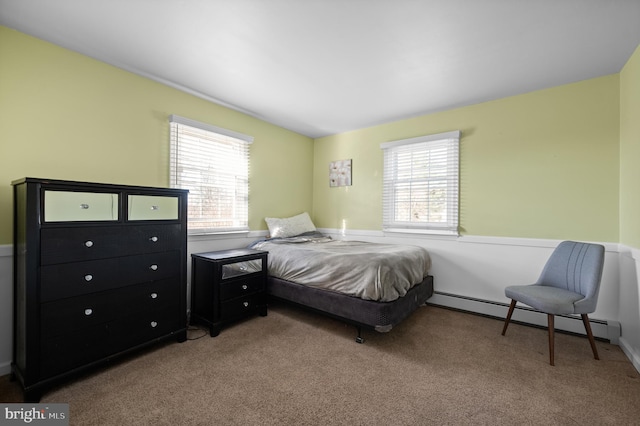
(6, 308)
(470, 273)
(629, 306)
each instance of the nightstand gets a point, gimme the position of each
(227, 285)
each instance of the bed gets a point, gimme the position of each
(370, 285)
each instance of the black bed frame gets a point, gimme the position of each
(378, 316)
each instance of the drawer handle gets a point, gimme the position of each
(88, 312)
(88, 243)
(244, 286)
(153, 239)
(153, 267)
(154, 324)
(246, 304)
(88, 277)
(84, 206)
(155, 208)
(154, 295)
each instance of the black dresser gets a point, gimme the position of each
(99, 270)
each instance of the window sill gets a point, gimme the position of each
(425, 232)
(214, 234)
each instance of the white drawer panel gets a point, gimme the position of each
(152, 207)
(71, 206)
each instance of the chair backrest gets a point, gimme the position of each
(576, 267)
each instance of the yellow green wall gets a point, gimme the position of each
(67, 116)
(539, 165)
(630, 151)
(555, 163)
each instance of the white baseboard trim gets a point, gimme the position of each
(609, 330)
(628, 351)
(6, 250)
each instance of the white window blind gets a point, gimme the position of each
(420, 184)
(213, 164)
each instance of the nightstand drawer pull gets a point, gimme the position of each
(153, 267)
(88, 243)
(88, 312)
(88, 277)
(84, 206)
(154, 295)
(154, 324)
(155, 208)
(153, 239)
(244, 286)
(246, 304)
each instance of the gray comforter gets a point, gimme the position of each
(371, 271)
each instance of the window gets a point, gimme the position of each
(213, 164)
(420, 184)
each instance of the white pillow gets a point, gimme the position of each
(289, 226)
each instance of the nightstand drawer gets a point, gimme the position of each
(240, 306)
(241, 287)
(237, 269)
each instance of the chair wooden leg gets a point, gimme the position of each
(550, 320)
(508, 318)
(587, 326)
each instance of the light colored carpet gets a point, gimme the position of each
(296, 368)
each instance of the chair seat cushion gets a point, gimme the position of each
(550, 300)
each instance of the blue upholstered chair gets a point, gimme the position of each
(569, 284)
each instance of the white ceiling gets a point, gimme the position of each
(321, 67)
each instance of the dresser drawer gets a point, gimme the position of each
(241, 287)
(71, 315)
(240, 306)
(78, 278)
(152, 207)
(153, 238)
(71, 350)
(75, 279)
(73, 206)
(140, 328)
(152, 266)
(61, 245)
(146, 298)
(81, 312)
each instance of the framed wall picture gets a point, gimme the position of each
(340, 173)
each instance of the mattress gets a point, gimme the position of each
(369, 271)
